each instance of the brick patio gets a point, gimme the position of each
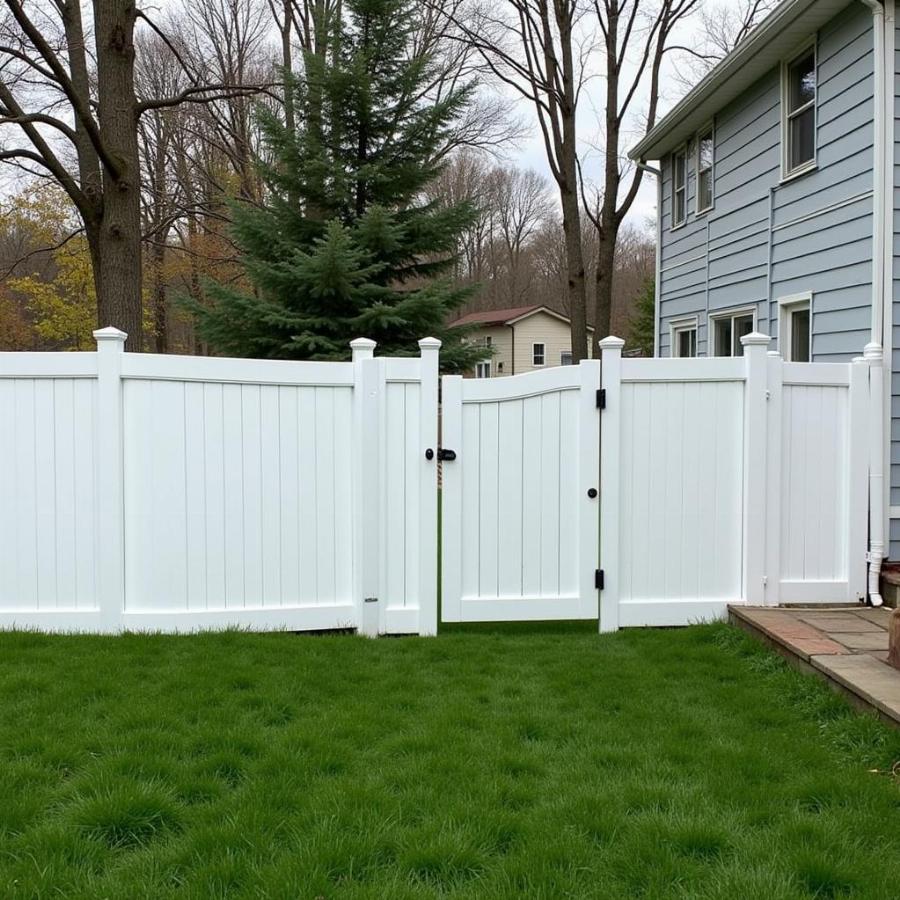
(847, 646)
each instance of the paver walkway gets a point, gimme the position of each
(848, 646)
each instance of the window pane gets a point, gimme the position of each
(686, 342)
(723, 337)
(704, 190)
(679, 170)
(678, 213)
(802, 137)
(743, 325)
(803, 81)
(565, 358)
(705, 151)
(800, 335)
(538, 355)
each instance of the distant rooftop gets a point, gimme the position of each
(507, 316)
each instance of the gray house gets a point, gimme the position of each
(778, 200)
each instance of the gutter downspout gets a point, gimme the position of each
(874, 350)
(652, 170)
(512, 354)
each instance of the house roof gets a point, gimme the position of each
(508, 316)
(773, 40)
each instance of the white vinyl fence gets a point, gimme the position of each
(166, 492)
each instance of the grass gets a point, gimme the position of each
(535, 762)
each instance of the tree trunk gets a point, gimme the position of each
(606, 257)
(160, 298)
(117, 252)
(571, 220)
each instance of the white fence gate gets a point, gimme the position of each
(520, 513)
(166, 492)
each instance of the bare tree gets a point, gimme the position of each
(69, 111)
(536, 48)
(635, 39)
(723, 27)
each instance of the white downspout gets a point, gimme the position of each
(651, 170)
(874, 350)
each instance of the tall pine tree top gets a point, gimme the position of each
(345, 244)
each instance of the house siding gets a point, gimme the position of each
(764, 239)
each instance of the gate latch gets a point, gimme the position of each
(446, 455)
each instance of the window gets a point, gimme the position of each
(679, 187)
(488, 341)
(728, 329)
(794, 328)
(537, 354)
(483, 369)
(705, 146)
(684, 338)
(799, 113)
(565, 358)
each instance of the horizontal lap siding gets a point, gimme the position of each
(736, 258)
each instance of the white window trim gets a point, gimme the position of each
(708, 128)
(484, 362)
(686, 323)
(788, 174)
(683, 151)
(542, 344)
(786, 306)
(726, 314)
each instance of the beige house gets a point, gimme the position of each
(524, 339)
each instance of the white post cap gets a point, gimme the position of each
(873, 351)
(110, 334)
(755, 339)
(363, 348)
(611, 343)
(429, 343)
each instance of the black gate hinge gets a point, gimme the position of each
(598, 579)
(601, 398)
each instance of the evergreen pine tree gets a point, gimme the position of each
(345, 244)
(643, 319)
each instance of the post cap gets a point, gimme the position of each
(429, 343)
(755, 339)
(363, 344)
(873, 350)
(110, 334)
(611, 343)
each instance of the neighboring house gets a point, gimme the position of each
(523, 339)
(770, 217)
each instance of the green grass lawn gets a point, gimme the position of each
(483, 763)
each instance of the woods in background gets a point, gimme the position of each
(132, 143)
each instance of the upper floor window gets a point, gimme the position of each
(537, 354)
(679, 187)
(799, 113)
(705, 170)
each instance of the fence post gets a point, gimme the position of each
(366, 484)
(110, 482)
(429, 349)
(610, 475)
(774, 499)
(755, 449)
(861, 408)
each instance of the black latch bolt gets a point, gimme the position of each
(598, 579)
(448, 455)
